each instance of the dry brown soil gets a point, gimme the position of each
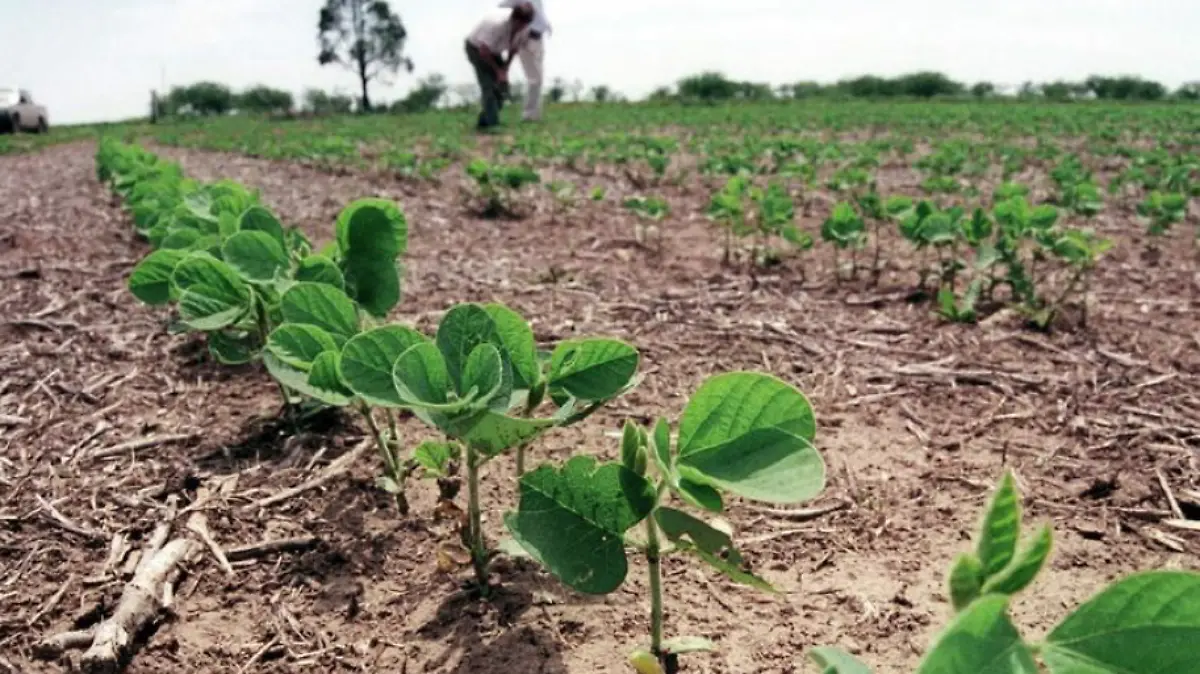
(917, 419)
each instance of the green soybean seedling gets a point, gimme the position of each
(742, 434)
(844, 228)
(1145, 623)
(650, 211)
(480, 382)
(498, 185)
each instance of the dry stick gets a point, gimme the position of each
(52, 647)
(140, 604)
(341, 465)
(135, 445)
(13, 420)
(198, 525)
(1187, 525)
(271, 547)
(1162, 482)
(804, 515)
(62, 521)
(258, 654)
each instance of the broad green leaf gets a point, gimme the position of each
(150, 281)
(574, 520)
(325, 384)
(434, 457)
(493, 433)
(201, 269)
(206, 309)
(255, 255)
(288, 376)
(698, 494)
(678, 526)
(593, 369)
(1147, 623)
(836, 661)
(463, 328)
(320, 269)
(374, 210)
(981, 640)
(767, 463)
(1000, 529)
(732, 404)
(485, 373)
(421, 379)
(323, 306)
(259, 219)
(966, 581)
(518, 344)
(180, 239)
(368, 362)
(299, 344)
(371, 234)
(1024, 567)
(231, 349)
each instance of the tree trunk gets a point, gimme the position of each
(362, 77)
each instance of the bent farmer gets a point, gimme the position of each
(486, 47)
(533, 58)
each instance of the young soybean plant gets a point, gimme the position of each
(481, 382)
(742, 434)
(1146, 623)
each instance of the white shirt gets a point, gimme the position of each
(495, 34)
(541, 23)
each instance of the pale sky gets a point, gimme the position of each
(92, 60)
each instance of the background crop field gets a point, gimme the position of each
(917, 415)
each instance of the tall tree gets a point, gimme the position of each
(364, 36)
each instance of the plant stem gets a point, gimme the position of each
(391, 467)
(654, 564)
(479, 555)
(521, 459)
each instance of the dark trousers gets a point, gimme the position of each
(489, 88)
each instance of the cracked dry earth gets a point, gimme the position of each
(917, 419)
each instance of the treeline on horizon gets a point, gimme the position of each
(213, 98)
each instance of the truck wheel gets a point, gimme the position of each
(16, 122)
(43, 127)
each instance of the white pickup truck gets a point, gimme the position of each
(18, 112)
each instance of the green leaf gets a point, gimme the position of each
(434, 457)
(371, 234)
(493, 433)
(259, 219)
(368, 363)
(255, 255)
(180, 239)
(230, 349)
(325, 384)
(320, 269)
(698, 494)
(981, 640)
(1147, 623)
(593, 369)
(206, 309)
(966, 581)
(463, 328)
(631, 448)
(1024, 567)
(574, 520)
(518, 345)
(421, 379)
(323, 306)
(489, 376)
(150, 281)
(1000, 529)
(299, 344)
(662, 448)
(749, 434)
(692, 535)
(836, 661)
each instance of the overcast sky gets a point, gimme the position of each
(98, 59)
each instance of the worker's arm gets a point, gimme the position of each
(496, 61)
